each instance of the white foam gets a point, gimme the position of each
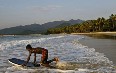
(74, 57)
(16, 43)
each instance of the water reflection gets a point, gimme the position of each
(103, 43)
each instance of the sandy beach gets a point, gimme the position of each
(105, 33)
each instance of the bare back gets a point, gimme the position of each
(37, 50)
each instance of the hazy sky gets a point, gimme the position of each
(24, 12)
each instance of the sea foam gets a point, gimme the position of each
(74, 57)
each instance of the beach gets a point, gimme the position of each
(103, 42)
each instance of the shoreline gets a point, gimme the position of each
(106, 46)
(103, 33)
(89, 33)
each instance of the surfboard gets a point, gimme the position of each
(19, 62)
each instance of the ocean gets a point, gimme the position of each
(102, 43)
(74, 57)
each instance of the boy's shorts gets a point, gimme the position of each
(44, 55)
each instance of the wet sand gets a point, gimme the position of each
(102, 43)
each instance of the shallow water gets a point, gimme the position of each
(102, 43)
(74, 57)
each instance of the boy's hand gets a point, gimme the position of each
(36, 65)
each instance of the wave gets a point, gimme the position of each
(74, 57)
(16, 43)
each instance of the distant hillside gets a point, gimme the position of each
(37, 28)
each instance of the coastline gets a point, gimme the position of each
(106, 46)
(104, 33)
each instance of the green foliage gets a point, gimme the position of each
(100, 24)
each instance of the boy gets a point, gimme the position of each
(42, 51)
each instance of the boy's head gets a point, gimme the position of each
(28, 47)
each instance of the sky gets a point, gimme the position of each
(25, 12)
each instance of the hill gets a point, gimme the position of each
(37, 28)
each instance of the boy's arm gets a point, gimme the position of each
(28, 58)
(34, 58)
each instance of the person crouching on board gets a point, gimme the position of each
(44, 56)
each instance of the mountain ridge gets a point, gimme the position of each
(37, 28)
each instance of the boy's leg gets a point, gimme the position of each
(55, 59)
(44, 56)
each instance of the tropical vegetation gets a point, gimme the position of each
(98, 25)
